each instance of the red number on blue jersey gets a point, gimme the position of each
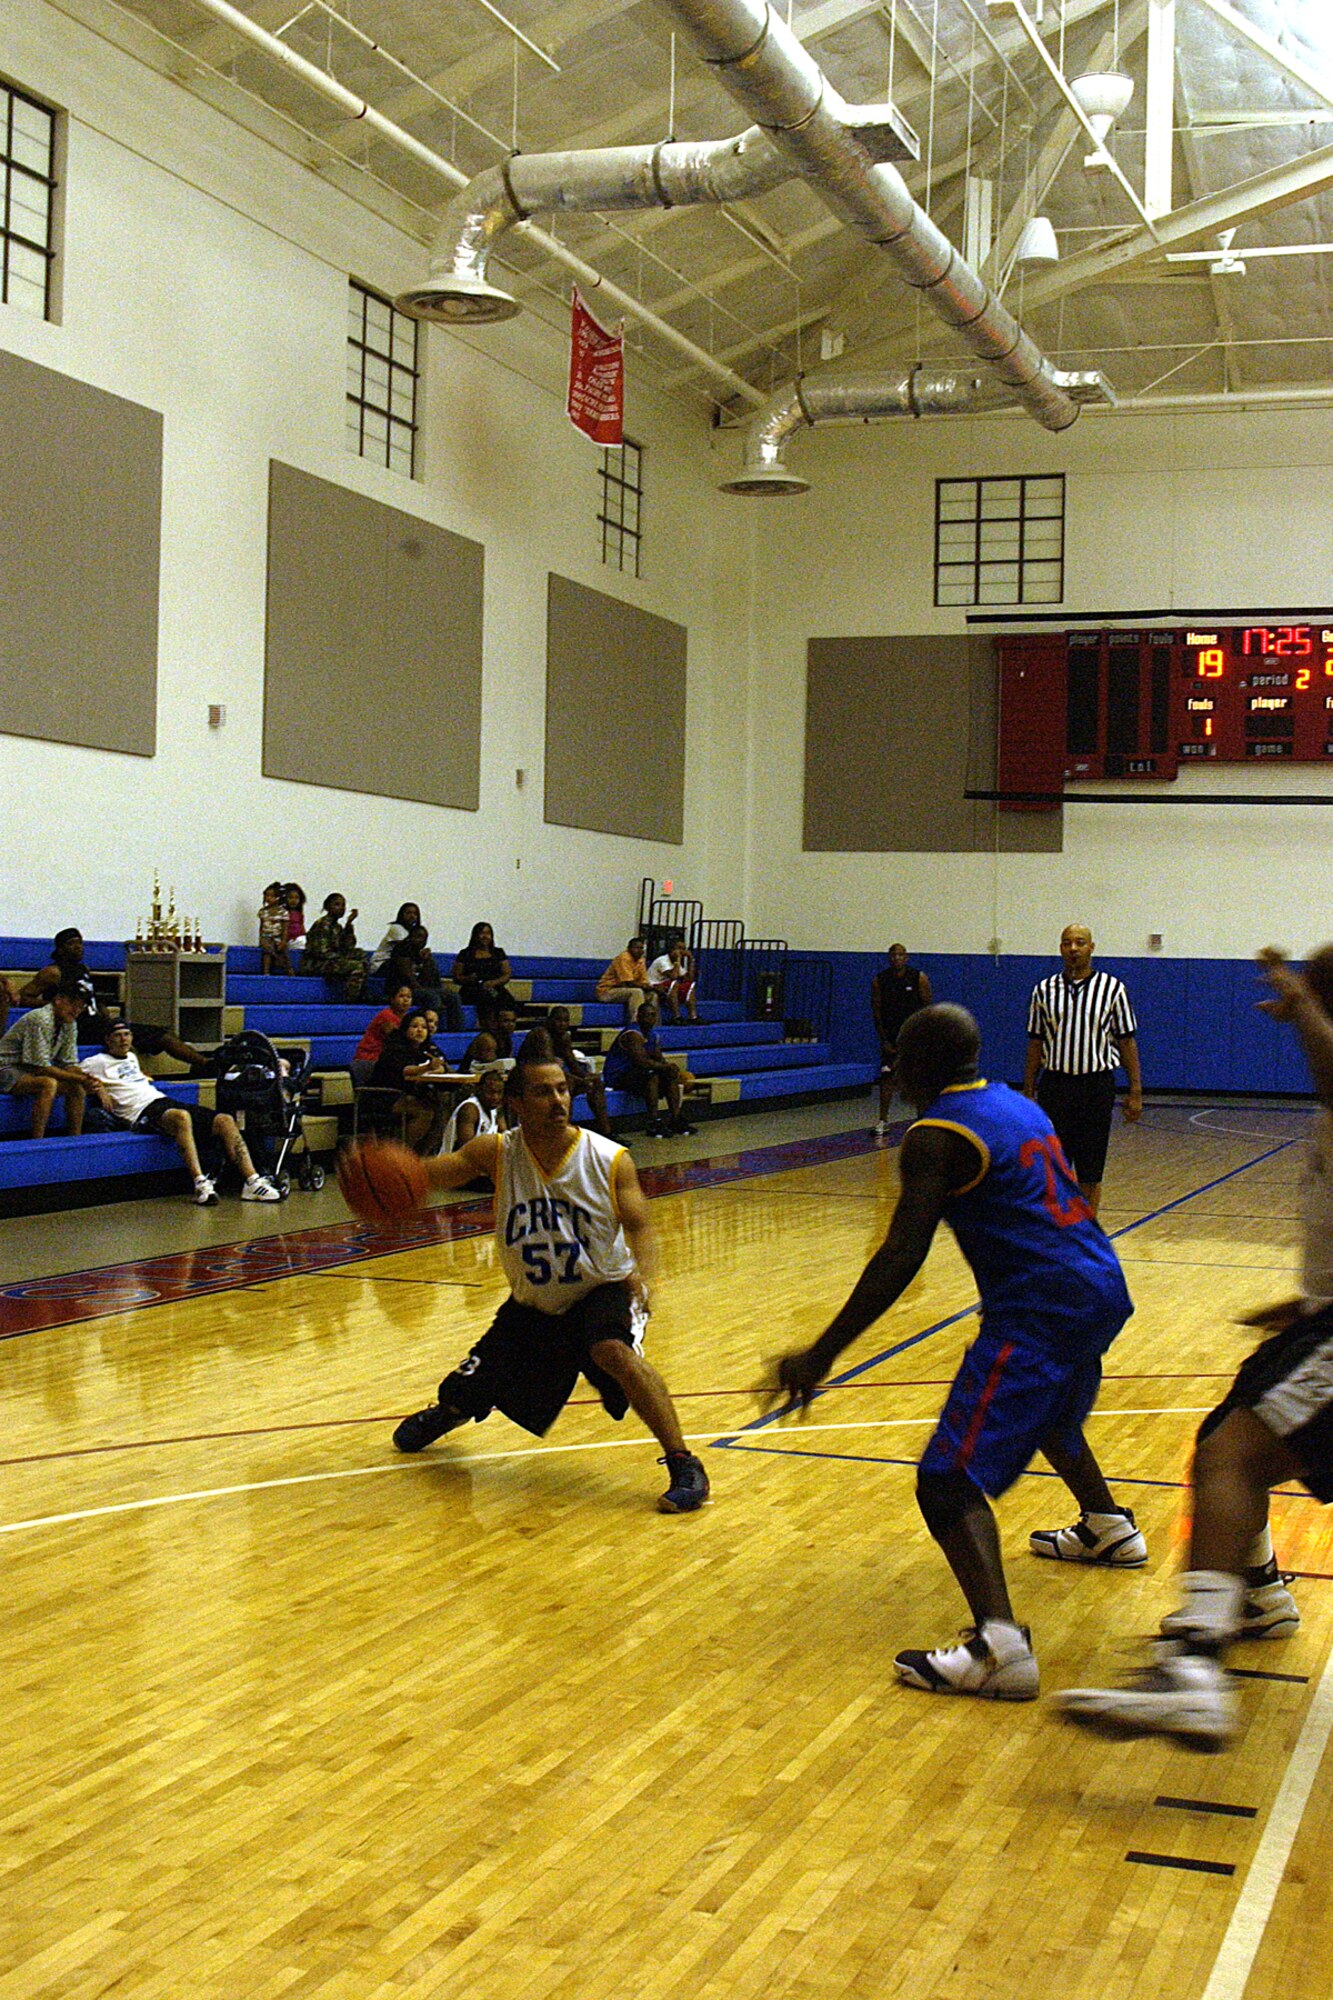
(1063, 1209)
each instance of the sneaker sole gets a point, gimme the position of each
(1113, 1559)
(910, 1678)
(666, 1506)
(1283, 1627)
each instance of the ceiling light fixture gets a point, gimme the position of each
(1103, 96)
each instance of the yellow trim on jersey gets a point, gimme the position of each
(950, 1088)
(615, 1168)
(563, 1161)
(948, 1125)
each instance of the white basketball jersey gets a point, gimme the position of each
(487, 1121)
(1317, 1207)
(559, 1234)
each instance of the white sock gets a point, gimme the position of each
(253, 1179)
(1261, 1549)
(201, 1180)
(1210, 1608)
(1099, 1522)
(1004, 1636)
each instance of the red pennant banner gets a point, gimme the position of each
(596, 402)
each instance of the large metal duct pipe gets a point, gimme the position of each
(672, 175)
(825, 399)
(781, 86)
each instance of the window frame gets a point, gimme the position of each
(362, 403)
(9, 167)
(1025, 558)
(616, 484)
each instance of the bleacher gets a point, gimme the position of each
(742, 1065)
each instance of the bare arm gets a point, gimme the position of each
(933, 1163)
(1129, 1056)
(40, 987)
(1294, 1000)
(632, 1204)
(478, 1160)
(1032, 1065)
(926, 999)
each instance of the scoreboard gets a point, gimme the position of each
(1139, 704)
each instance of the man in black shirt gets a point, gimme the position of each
(896, 992)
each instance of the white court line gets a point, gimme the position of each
(1249, 1920)
(472, 1458)
(1239, 1131)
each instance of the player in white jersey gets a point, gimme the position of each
(576, 1244)
(1275, 1424)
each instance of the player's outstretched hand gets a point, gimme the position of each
(790, 1382)
(1288, 986)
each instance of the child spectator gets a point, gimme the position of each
(294, 897)
(407, 1056)
(378, 1029)
(671, 977)
(478, 1114)
(273, 925)
(626, 979)
(122, 1088)
(331, 949)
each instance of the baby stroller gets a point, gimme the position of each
(252, 1078)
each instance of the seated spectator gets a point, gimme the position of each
(121, 1087)
(409, 916)
(482, 973)
(672, 979)
(39, 1059)
(481, 1053)
(635, 1062)
(273, 927)
(378, 1029)
(8, 998)
(478, 1114)
(412, 958)
(293, 895)
(331, 950)
(626, 979)
(583, 1078)
(68, 967)
(407, 1056)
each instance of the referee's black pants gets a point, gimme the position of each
(1080, 1109)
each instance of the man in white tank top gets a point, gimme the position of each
(478, 1115)
(1274, 1424)
(576, 1243)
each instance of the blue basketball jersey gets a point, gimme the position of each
(1036, 1251)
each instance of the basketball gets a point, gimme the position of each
(382, 1182)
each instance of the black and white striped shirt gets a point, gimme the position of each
(1077, 1022)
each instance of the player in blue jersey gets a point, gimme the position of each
(986, 1161)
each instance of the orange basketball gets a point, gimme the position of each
(382, 1181)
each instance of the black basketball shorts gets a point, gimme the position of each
(1288, 1383)
(527, 1363)
(201, 1118)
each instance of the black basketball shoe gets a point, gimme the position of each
(424, 1426)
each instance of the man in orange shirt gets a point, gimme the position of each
(626, 979)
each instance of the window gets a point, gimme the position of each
(620, 508)
(27, 220)
(381, 381)
(1000, 541)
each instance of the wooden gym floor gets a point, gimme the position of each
(288, 1715)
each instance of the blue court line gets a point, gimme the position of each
(866, 1458)
(913, 1340)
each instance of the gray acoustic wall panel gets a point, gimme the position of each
(897, 730)
(372, 669)
(80, 539)
(615, 715)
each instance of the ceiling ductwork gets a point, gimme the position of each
(768, 71)
(846, 398)
(672, 175)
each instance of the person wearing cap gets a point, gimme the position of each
(39, 1059)
(122, 1089)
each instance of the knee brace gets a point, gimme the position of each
(944, 1498)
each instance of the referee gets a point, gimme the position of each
(1080, 1024)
